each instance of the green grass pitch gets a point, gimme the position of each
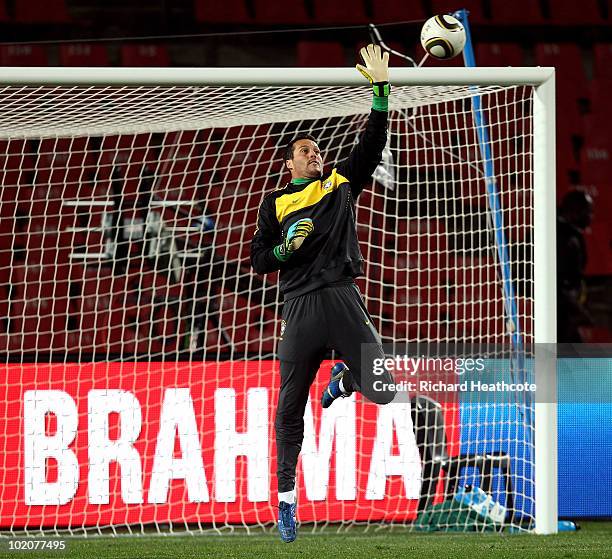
(593, 540)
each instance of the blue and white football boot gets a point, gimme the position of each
(333, 391)
(286, 522)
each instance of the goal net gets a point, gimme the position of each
(139, 379)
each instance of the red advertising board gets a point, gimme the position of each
(123, 443)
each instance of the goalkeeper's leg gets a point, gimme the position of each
(301, 349)
(296, 379)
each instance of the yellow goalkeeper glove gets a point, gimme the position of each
(294, 239)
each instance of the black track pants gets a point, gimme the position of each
(332, 317)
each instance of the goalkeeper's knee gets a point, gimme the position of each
(381, 391)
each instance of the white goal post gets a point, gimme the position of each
(181, 113)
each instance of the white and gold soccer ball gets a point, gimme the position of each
(443, 37)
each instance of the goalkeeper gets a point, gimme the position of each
(307, 231)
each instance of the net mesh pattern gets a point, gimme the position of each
(125, 225)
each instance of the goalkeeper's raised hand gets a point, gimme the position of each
(376, 62)
(294, 239)
(376, 69)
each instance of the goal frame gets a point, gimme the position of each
(544, 216)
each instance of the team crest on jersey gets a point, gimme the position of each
(283, 326)
(327, 185)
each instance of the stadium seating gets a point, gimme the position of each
(499, 54)
(570, 12)
(129, 158)
(570, 78)
(228, 11)
(320, 53)
(236, 320)
(599, 93)
(232, 212)
(276, 13)
(211, 341)
(7, 224)
(425, 237)
(38, 311)
(328, 13)
(596, 156)
(103, 312)
(81, 341)
(179, 168)
(4, 16)
(63, 161)
(567, 162)
(516, 13)
(83, 55)
(144, 55)
(17, 164)
(23, 55)
(481, 319)
(145, 317)
(571, 88)
(565, 57)
(599, 246)
(418, 149)
(49, 11)
(230, 156)
(384, 11)
(474, 8)
(4, 305)
(371, 207)
(602, 61)
(264, 341)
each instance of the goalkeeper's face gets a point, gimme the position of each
(307, 161)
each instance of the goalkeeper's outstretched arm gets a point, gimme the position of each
(367, 154)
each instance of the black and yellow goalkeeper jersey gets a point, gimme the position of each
(331, 253)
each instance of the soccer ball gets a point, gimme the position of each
(443, 37)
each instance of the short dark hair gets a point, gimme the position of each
(288, 153)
